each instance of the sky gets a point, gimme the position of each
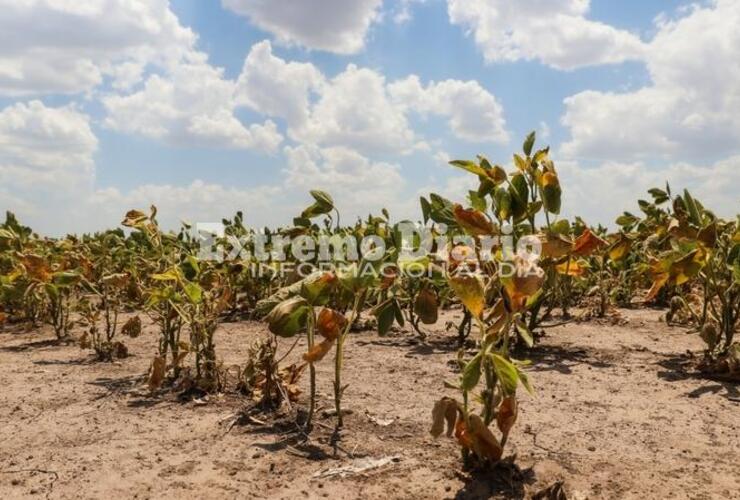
(206, 107)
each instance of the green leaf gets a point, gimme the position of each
(323, 205)
(470, 166)
(691, 206)
(322, 197)
(426, 209)
(524, 378)
(524, 332)
(521, 163)
(169, 275)
(66, 278)
(529, 143)
(194, 293)
(316, 288)
(506, 372)
(385, 313)
(502, 199)
(288, 317)
(477, 202)
(471, 373)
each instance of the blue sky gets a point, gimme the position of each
(107, 105)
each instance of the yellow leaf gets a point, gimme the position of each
(471, 292)
(571, 268)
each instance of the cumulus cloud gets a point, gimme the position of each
(355, 110)
(46, 159)
(585, 193)
(554, 32)
(338, 26)
(358, 108)
(353, 179)
(474, 113)
(689, 111)
(274, 87)
(192, 105)
(51, 46)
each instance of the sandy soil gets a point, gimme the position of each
(616, 416)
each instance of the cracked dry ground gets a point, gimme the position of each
(616, 415)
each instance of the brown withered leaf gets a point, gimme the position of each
(157, 373)
(473, 221)
(485, 444)
(120, 350)
(36, 267)
(444, 412)
(506, 416)
(526, 282)
(587, 243)
(132, 327)
(496, 318)
(330, 323)
(85, 341)
(555, 245)
(425, 306)
(318, 351)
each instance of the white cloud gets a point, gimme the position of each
(690, 110)
(355, 110)
(275, 87)
(555, 32)
(402, 10)
(338, 26)
(46, 160)
(59, 46)
(352, 179)
(474, 113)
(359, 109)
(192, 105)
(585, 193)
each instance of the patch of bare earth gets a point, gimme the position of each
(616, 416)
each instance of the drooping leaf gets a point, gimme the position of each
(471, 292)
(319, 351)
(506, 373)
(473, 221)
(471, 373)
(444, 412)
(157, 373)
(289, 317)
(485, 444)
(506, 415)
(426, 305)
(132, 327)
(330, 323)
(587, 243)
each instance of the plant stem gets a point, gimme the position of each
(311, 368)
(339, 359)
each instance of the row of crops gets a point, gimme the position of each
(676, 253)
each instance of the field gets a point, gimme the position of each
(491, 350)
(617, 414)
